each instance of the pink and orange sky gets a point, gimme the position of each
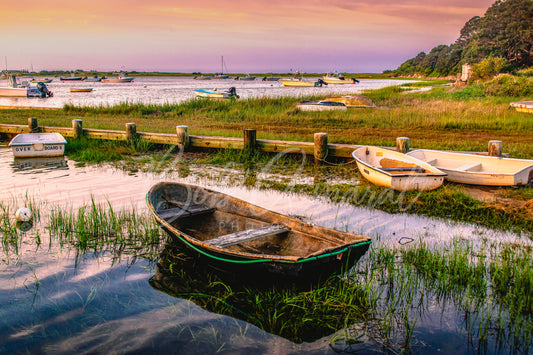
(253, 35)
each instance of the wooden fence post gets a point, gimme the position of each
(249, 140)
(402, 144)
(131, 131)
(77, 128)
(321, 147)
(183, 137)
(495, 148)
(32, 124)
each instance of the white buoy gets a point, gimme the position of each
(23, 214)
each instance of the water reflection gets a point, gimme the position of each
(38, 165)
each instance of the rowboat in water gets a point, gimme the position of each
(231, 93)
(27, 145)
(235, 236)
(401, 172)
(478, 169)
(322, 105)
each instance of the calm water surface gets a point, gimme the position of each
(161, 90)
(55, 301)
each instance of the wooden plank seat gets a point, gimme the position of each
(247, 235)
(185, 211)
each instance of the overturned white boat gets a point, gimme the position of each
(27, 145)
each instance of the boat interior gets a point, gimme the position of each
(470, 162)
(234, 225)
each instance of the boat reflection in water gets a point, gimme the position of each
(39, 165)
(299, 319)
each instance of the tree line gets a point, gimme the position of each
(503, 37)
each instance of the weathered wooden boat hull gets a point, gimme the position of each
(478, 169)
(27, 145)
(388, 168)
(304, 251)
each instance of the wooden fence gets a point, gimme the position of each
(320, 148)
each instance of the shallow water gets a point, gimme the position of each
(54, 301)
(162, 90)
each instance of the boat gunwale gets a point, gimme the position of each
(251, 257)
(14, 143)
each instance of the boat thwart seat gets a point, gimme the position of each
(185, 211)
(248, 235)
(469, 166)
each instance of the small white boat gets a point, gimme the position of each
(302, 83)
(121, 78)
(396, 170)
(246, 78)
(322, 105)
(337, 78)
(95, 79)
(477, 169)
(27, 145)
(213, 94)
(22, 90)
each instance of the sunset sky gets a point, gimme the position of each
(253, 35)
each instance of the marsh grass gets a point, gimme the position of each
(489, 283)
(454, 118)
(96, 227)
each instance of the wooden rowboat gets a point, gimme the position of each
(478, 169)
(388, 168)
(235, 236)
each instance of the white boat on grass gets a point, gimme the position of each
(478, 169)
(27, 145)
(322, 105)
(231, 93)
(401, 172)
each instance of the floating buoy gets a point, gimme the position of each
(23, 214)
